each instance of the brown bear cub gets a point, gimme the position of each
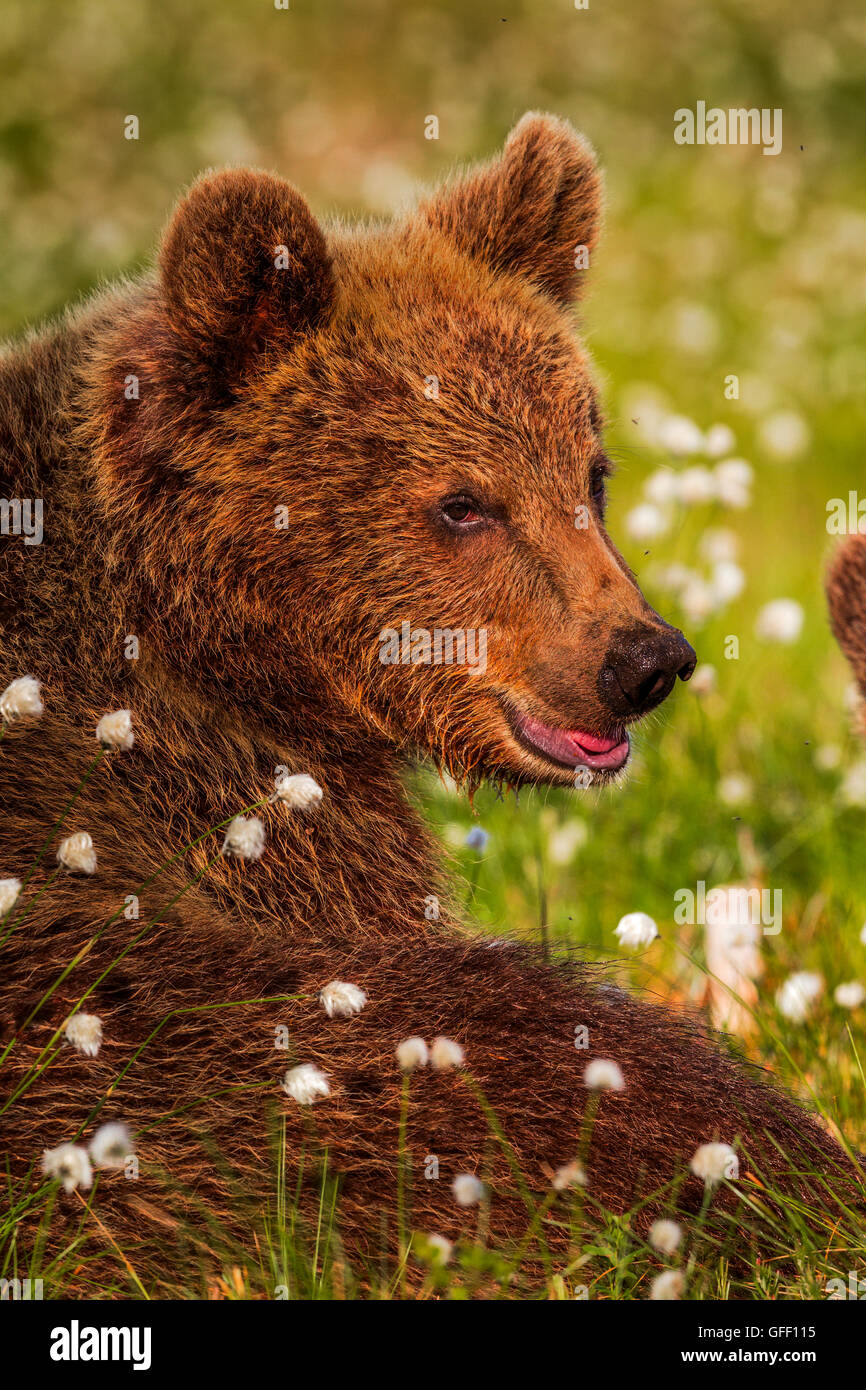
(285, 442)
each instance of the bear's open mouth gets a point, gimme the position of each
(572, 748)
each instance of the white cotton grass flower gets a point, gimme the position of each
(863, 935)
(676, 577)
(668, 1286)
(665, 1236)
(727, 581)
(733, 480)
(827, 757)
(569, 1175)
(603, 1075)
(645, 409)
(713, 1162)
(9, 890)
(412, 1053)
(719, 440)
(853, 788)
(680, 436)
(646, 522)
(245, 838)
(734, 496)
(111, 1146)
(735, 789)
(306, 1084)
(445, 1054)
(719, 546)
(698, 600)
(705, 680)
(784, 434)
(70, 1164)
(84, 1031)
(797, 996)
(690, 327)
(662, 487)
(636, 929)
(77, 854)
(438, 1249)
(115, 730)
(565, 841)
(20, 698)
(697, 486)
(850, 995)
(735, 471)
(781, 620)
(299, 792)
(468, 1190)
(342, 1000)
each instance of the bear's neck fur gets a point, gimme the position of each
(208, 740)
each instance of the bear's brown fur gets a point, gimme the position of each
(846, 591)
(162, 425)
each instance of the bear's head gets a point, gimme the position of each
(377, 455)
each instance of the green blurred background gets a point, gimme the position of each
(715, 261)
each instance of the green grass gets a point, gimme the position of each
(292, 1252)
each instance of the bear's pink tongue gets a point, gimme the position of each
(574, 747)
(592, 744)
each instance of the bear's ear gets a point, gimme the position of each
(534, 211)
(846, 591)
(243, 265)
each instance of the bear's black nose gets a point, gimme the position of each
(641, 667)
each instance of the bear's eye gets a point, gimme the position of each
(601, 471)
(461, 512)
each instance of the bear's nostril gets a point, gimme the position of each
(655, 687)
(642, 669)
(687, 670)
